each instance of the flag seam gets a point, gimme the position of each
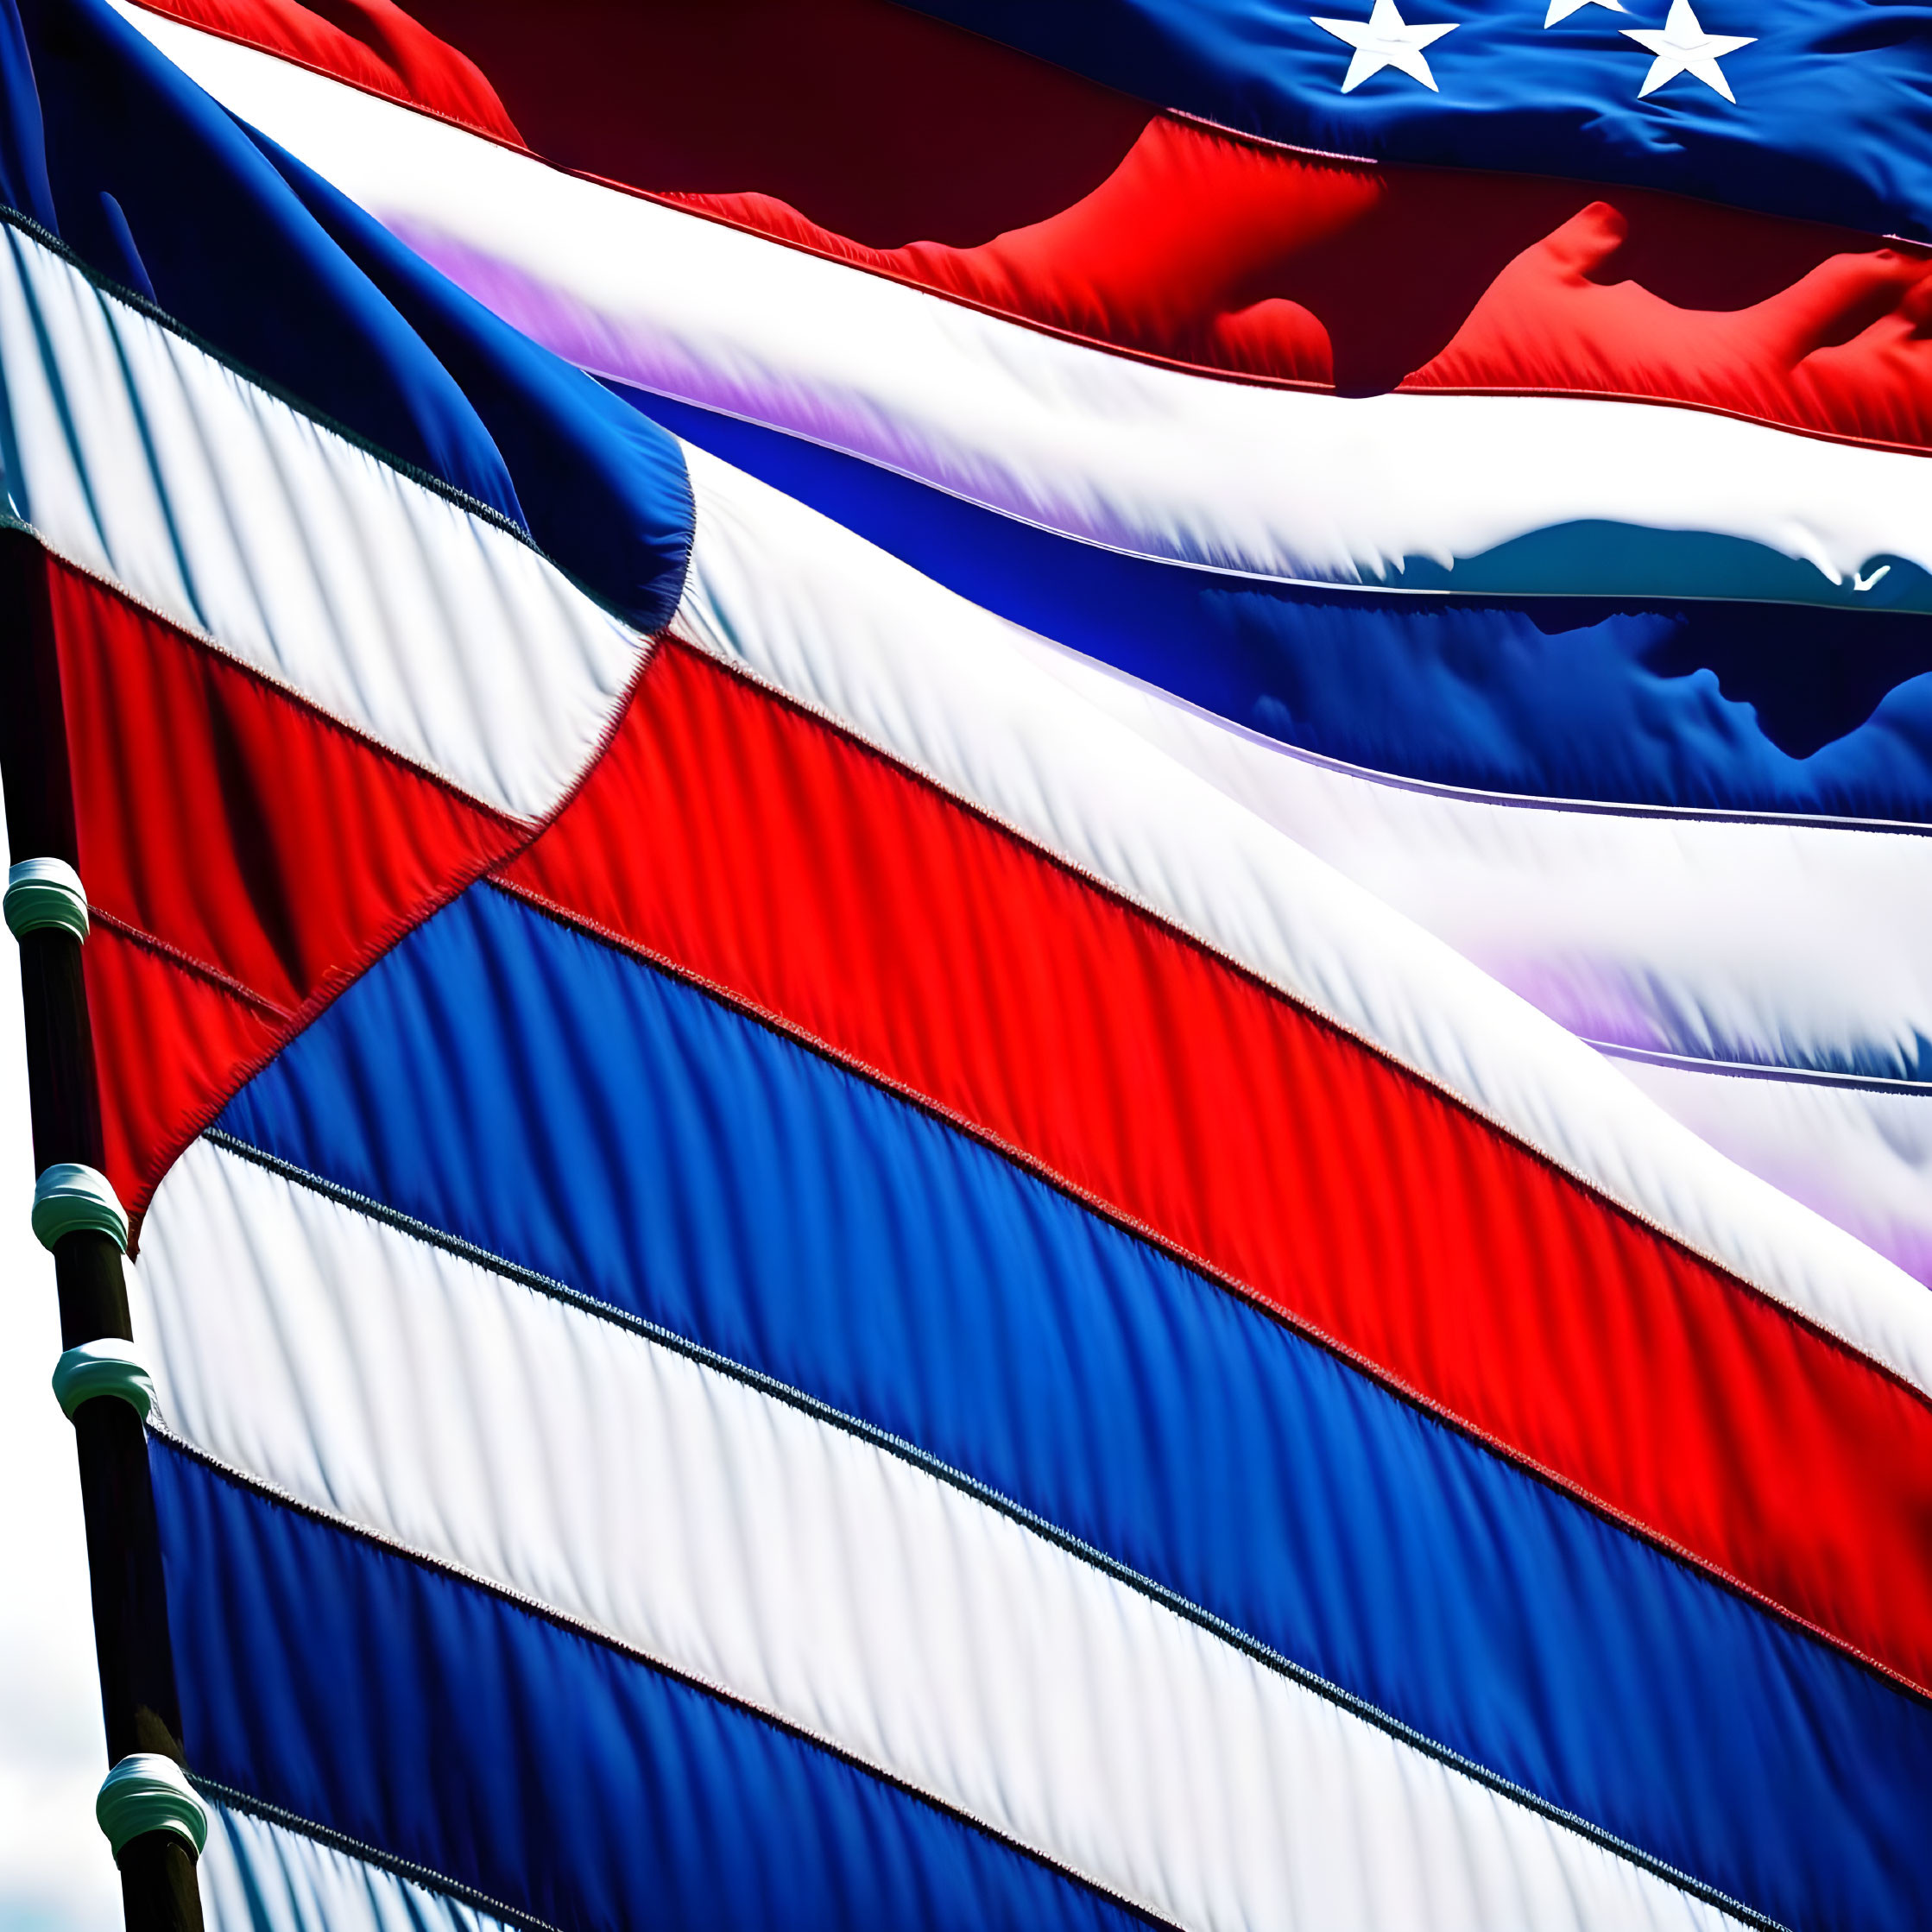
(231, 1799)
(223, 982)
(386, 939)
(1121, 895)
(1174, 1251)
(1634, 809)
(691, 203)
(451, 493)
(281, 686)
(898, 1447)
(1328, 586)
(132, 298)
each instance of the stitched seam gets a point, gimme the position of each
(1702, 1568)
(385, 939)
(1634, 809)
(582, 1627)
(233, 1800)
(689, 203)
(132, 298)
(223, 982)
(679, 204)
(906, 1452)
(269, 680)
(424, 479)
(235, 38)
(1328, 586)
(328, 721)
(1727, 1272)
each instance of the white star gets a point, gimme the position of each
(1561, 10)
(1683, 46)
(1385, 41)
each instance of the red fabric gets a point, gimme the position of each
(879, 122)
(371, 43)
(1845, 349)
(242, 830)
(172, 1046)
(759, 850)
(913, 150)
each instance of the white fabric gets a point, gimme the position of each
(146, 463)
(257, 1877)
(1779, 946)
(1861, 1158)
(1153, 461)
(962, 695)
(737, 1538)
(1793, 946)
(147, 1791)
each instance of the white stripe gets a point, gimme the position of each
(962, 695)
(257, 1877)
(739, 1539)
(146, 462)
(837, 641)
(1861, 1158)
(1788, 945)
(1154, 461)
(1774, 944)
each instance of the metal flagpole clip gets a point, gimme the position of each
(69, 1196)
(108, 1367)
(44, 892)
(147, 1792)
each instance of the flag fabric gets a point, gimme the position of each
(1020, 1014)
(1819, 110)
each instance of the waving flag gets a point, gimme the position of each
(1016, 1001)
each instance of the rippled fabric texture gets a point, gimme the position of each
(1822, 118)
(1019, 1018)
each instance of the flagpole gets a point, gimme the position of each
(154, 1822)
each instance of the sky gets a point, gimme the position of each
(56, 1874)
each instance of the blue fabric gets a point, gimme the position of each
(230, 252)
(133, 269)
(1832, 117)
(157, 187)
(1741, 707)
(560, 1104)
(605, 489)
(437, 1723)
(23, 182)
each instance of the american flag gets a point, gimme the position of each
(978, 958)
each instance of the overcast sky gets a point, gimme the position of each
(55, 1872)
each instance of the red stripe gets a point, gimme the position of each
(265, 853)
(759, 850)
(369, 43)
(981, 174)
(1204, 251)
(171, 1045)
(882, 123)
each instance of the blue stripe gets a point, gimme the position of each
(441, 1725)
(527, 1089)
(1828, 121)
(1704, 705)
(604, 489)
(157, 188)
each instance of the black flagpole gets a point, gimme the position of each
(152, 1820)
